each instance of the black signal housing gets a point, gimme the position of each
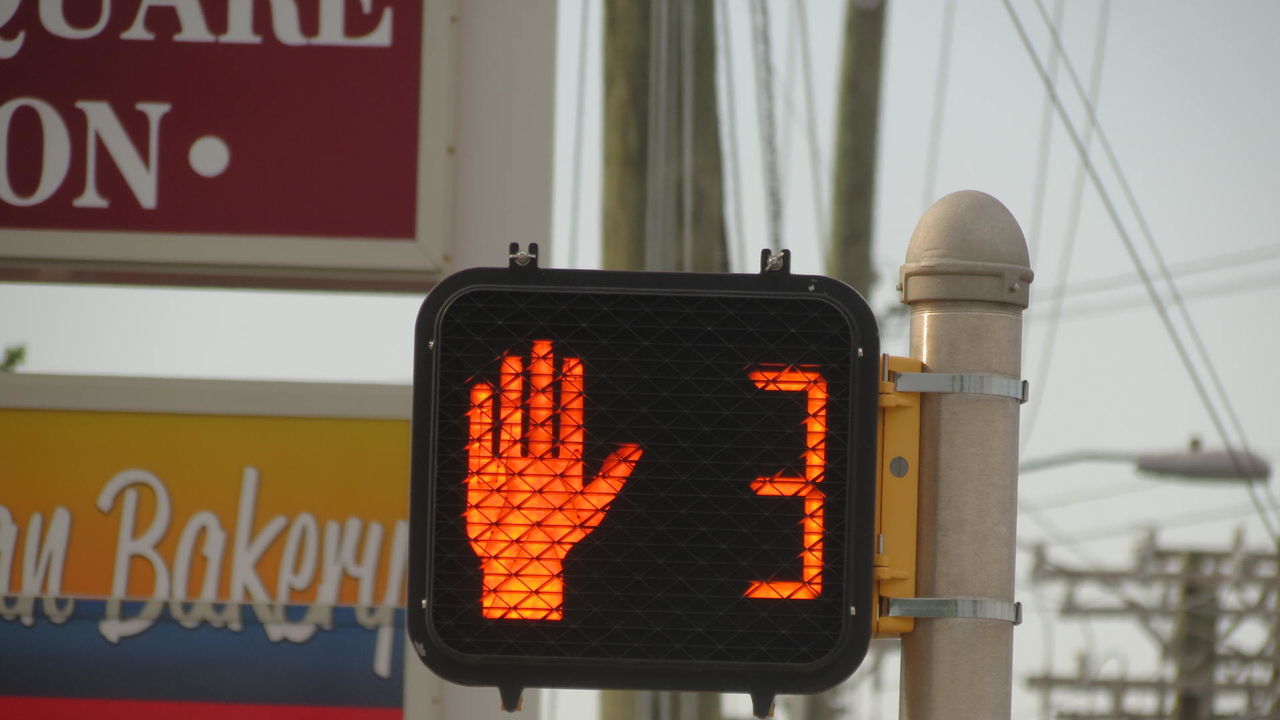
(654, 596)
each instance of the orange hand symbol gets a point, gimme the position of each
(526, 503)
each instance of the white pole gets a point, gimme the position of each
(966, 280)
(503, 151)
(504, 129)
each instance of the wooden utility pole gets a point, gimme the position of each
(663, 196)
(1203, 591)
(1196, 642)
(853, 192)
(853, 195)
(626, 132)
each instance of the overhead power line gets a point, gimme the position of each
(786, 85)
(811, 126)
(686, 136)
(1199, 516)
(1130, 247)
(1236, 285)
(575, 193)
(1201, 266)
(731, 116)
(939, 102)
(1042, 158)
(1147, 234)
(1075, 497)
(760, 35)
(1073, 214)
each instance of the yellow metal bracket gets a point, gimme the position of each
(897, 490)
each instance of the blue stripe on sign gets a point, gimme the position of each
(204, 664)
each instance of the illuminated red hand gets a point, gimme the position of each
(526, 502)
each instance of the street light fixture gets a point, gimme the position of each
(1192, 464)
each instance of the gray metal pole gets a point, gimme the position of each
(966, 280)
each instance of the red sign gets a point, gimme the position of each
(289, 117)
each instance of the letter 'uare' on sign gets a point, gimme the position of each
(165, 155)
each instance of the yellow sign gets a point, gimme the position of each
(147, 506)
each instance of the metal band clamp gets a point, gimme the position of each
(973, 608)
(970, 383)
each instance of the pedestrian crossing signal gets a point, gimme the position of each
(643, 480)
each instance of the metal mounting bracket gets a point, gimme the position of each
(512, 697)
(771, 261)
(970, 383)
(762, 703)
(971, 608)
(517, 258)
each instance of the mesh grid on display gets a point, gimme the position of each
(673, 450)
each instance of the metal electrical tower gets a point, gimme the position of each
(1213, 615)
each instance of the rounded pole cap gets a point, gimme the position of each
(967, 247)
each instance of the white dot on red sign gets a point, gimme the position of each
(209, 156)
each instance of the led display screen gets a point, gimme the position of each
(643, 480)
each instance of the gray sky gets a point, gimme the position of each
(1189, 105)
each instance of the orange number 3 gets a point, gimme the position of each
(791, 379)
